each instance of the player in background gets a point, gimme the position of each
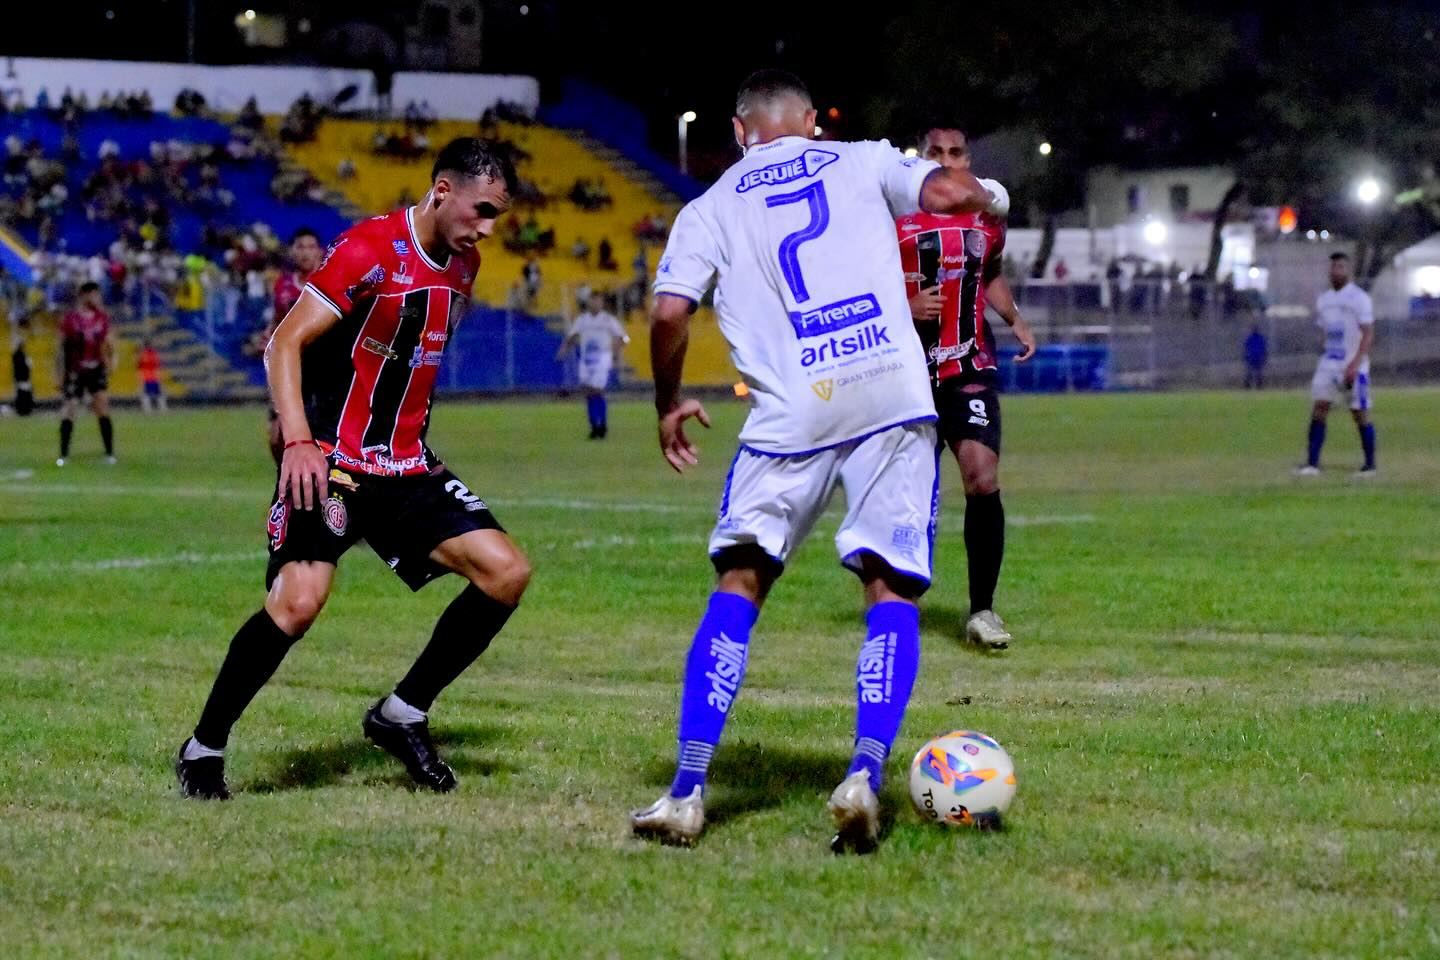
(799, 238)
(1347, 323)
(600, 339)
(87, 352)
(305, 254)
(352, 372)
(952, 272)
(152, 397)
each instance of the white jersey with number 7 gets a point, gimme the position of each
(799, 239)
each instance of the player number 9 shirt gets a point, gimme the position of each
(369, 381)
(960, 255)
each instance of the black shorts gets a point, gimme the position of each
(80, 382)
(402, 518)
(968, 416)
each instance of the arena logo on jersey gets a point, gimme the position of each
(807, 164)
(835, 316)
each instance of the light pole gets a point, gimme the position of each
(686, 118)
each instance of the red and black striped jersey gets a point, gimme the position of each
(83, 334)
(369, 380)
(961, 254)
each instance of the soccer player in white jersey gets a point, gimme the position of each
(799, 239)
(600, 339)
(1344, 315)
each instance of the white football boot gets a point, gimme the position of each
(671, 820)
(1307, 471)
(986, 629)
(856, 810)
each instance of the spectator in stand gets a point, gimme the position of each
(607, 256)
(530, 273)
(530, 233)
(42, 100)
(1257, 354)
(148, 366)
(105, 102)
(346, 169)
(515, 300)
(249, 116)
(580, 250)
(1062, 270)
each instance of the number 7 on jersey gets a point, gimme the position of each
(819, 204)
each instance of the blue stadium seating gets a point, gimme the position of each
(249, 180)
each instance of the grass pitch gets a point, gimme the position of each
(1222, 704)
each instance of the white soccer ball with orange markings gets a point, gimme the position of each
(963, 779)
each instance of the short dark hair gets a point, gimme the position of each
(89, 286)
(767, 84)
(1339, 255)
(924, 131)
(476, 157)
(304, 232)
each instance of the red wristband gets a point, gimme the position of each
(296, 443)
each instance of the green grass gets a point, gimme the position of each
(1222, 703)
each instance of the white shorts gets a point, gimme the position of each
(594, 376)
(1329, 384)
(892, 491)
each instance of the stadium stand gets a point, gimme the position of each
(178, 216)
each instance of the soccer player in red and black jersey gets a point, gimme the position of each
(86, 356)
(352, 370)
(305, 254)
(952, 271)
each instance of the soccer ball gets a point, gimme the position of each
(963, 779)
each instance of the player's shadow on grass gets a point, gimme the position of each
(747, 776)
(320, 766)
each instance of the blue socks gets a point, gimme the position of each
(1317, 440)
(1367, 441)
(597, 408)
(884, 677)
(713, 673)
(715, 668)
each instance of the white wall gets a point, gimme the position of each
(457, 96)
(1107, 192)
(1088, 252)
(1413, 272)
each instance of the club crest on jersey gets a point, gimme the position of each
(824, 389)
(337, 518)
(402, 249)
(835, 316)
(975, 243)
(807, 164)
